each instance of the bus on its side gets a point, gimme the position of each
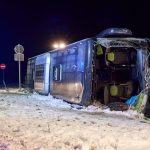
(109, 67)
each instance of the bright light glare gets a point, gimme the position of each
(62, 45)
(56, 45)
(59, 45)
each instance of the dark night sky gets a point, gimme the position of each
(36, 24)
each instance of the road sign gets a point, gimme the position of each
(2, 66)
(19, 48)
(19, 57)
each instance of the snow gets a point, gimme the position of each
(59, 103)
(36, 122)
(128, 113)
(49, 100)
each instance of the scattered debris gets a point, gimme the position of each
(118, 106)
(76, 106)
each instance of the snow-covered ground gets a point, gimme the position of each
(36, 122)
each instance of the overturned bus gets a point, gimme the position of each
(109, 67)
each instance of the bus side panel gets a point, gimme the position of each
(68, 72)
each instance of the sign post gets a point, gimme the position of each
(19, 56)
(3, 66)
